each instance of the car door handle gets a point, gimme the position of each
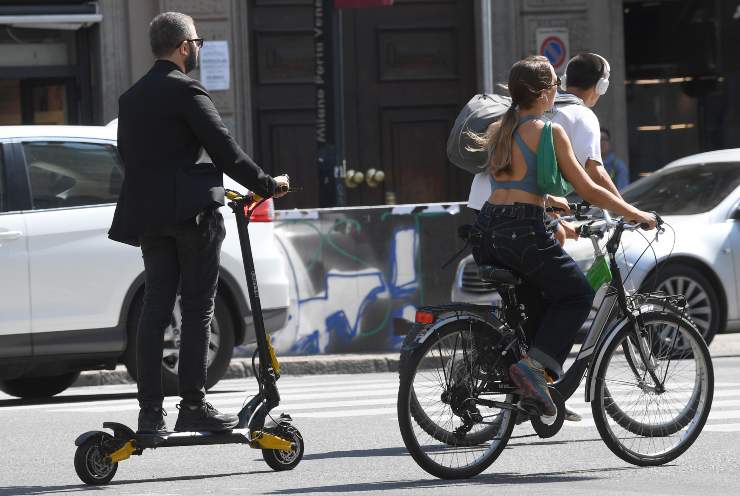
(8, 235)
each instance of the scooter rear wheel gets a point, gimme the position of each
(285, 460)
(92, 463)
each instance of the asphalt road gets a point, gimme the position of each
(352, 447)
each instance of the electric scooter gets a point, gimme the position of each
(98, 452)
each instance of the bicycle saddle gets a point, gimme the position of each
(496, 275)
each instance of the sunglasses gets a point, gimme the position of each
(198, 42)
(556, 83)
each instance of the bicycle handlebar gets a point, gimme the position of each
(595, 227)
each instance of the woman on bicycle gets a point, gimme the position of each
(555, 292)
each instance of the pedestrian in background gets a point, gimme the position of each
(617, 169)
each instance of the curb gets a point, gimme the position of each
(242, 367)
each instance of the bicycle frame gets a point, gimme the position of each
(608, 298)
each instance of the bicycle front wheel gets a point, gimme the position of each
(447, 431)
(642, 421)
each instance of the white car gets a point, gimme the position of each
(699, 254)
(69, 296)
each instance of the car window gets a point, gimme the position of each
(71, 174)
(685, 190)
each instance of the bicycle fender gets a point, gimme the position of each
(602, 346)
(421, 332)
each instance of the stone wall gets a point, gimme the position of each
(593, 26)
(125, 53)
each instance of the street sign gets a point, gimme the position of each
(554, 43)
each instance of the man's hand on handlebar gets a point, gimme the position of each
(558, 204)
(647, 220)
(569, 229)
(282, 185)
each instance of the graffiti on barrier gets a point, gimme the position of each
(353, 271)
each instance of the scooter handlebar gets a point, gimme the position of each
(235, 195)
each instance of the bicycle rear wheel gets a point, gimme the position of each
(642, 422)
(447, 432)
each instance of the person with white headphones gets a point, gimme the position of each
(584, 81)
(586, 77)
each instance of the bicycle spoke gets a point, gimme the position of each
(443, 435)
(652, 424)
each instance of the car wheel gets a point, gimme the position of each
(701, 296)
(220, 347)
(38, 387)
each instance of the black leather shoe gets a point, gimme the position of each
(151, 420)
(203, 417)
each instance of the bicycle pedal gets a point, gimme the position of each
(530, 407)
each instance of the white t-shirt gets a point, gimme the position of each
(582, 127)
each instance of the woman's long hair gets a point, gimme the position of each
(528, 78)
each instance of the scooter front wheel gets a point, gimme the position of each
(92, 463)
(285, 460)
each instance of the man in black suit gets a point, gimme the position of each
(169, 206)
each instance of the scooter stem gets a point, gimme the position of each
(257, 408)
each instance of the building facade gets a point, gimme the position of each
(406, 71)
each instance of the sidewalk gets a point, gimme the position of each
(723, 345)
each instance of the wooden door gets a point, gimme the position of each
(409, 70)
(283, 95)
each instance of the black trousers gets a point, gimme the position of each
(183, 257)
(555, 292)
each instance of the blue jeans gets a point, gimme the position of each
(555, 292)
(186, 257)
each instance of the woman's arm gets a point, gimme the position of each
(584, 186)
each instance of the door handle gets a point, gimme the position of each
(374, 177)
(10, 235)
(353, 178)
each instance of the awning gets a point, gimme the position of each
(72, 16)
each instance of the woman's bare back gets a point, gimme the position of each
(530, 132)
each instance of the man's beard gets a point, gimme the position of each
(191, 62)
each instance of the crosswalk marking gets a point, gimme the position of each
(721, 428)
(350, 397)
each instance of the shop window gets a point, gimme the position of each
(10, 102)
(48, 104)
(72, 174)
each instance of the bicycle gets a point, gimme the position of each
(649, 375)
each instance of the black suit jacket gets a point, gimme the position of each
(165, 121)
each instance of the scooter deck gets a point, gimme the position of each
(172, 439)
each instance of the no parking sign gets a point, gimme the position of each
(554, 43)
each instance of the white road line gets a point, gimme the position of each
(722, 428)
(169, 404)
(347, 413)
(347, 394)
(228, 398)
